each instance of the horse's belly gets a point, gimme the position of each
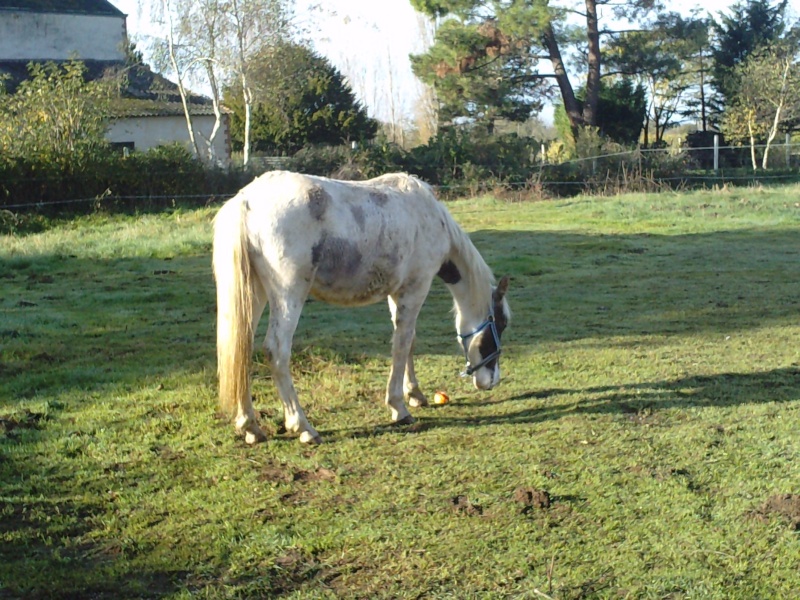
(361, 290)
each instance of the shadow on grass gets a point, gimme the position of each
(725, 389)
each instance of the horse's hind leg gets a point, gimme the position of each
(246, 420)
(283, 317)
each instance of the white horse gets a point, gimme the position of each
(286, 236)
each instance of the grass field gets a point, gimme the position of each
(643, 443)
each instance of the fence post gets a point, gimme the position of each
(788, 150)
(716, 152)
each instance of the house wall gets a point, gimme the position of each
(149, 132)
(40, 37)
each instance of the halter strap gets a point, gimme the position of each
(464, 339)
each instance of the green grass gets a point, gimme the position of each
(651, 387)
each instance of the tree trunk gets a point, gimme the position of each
(750, 118)
(212, 80)
(703, 93)
(247, 96)
(247, 93)
(571, 104)
(593, 76)
(778, 109)
(179, 80)
(772, 133)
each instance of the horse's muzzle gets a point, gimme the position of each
(485, 379)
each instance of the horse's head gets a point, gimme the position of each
(482, 346)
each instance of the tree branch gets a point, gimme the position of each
(621, 31)
(620, 72)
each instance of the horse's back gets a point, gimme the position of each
(357, 242)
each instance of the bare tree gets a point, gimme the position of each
(212, 42)
(426, 117)
(767, 92)
(177, 70)
(254, 26)
(203, 21)
(190, 50)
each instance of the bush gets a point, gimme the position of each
(320, 160)
(159, 178)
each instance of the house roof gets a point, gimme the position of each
(143, 92)
(130, 108)
(87, 7)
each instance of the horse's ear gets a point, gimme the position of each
(502, 288)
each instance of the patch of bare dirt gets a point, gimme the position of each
(462, 505)
(24, 419)
(532, 499)
(320, 474)
(281, 473)
(786, 506)
(274, 474)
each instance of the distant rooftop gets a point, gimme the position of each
(86, 7)
(143, 92)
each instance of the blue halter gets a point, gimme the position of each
(464, 339)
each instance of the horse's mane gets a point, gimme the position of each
(478, 272)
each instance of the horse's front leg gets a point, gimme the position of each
(412, 393)
(404, 317)
(283, 318)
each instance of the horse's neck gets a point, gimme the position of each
(472, 296)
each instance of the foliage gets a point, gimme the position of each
(478, 75)
(55, 116)
(462, 159)
(320, 160)
(650, 387)
(621, 112)
(299, 99)
(480, 40)
(161, 177)
(207, 42)
(766, 97)
(750, 24)
(668, 59)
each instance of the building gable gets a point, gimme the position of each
(84, 7)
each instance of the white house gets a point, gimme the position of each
(95, 32)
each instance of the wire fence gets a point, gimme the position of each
(672, 167)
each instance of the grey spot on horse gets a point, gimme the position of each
(358, 215)
(335, 258)
(449, 273)
(379, 198)
(316, 251)
(318, 200)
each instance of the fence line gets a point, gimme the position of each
(280, 162)
(676, 151)
(211, 198)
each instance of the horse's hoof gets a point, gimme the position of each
(255, 437)
(313, 439)
(407, 420)
(417, 399)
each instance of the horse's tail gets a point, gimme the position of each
(233, 275)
